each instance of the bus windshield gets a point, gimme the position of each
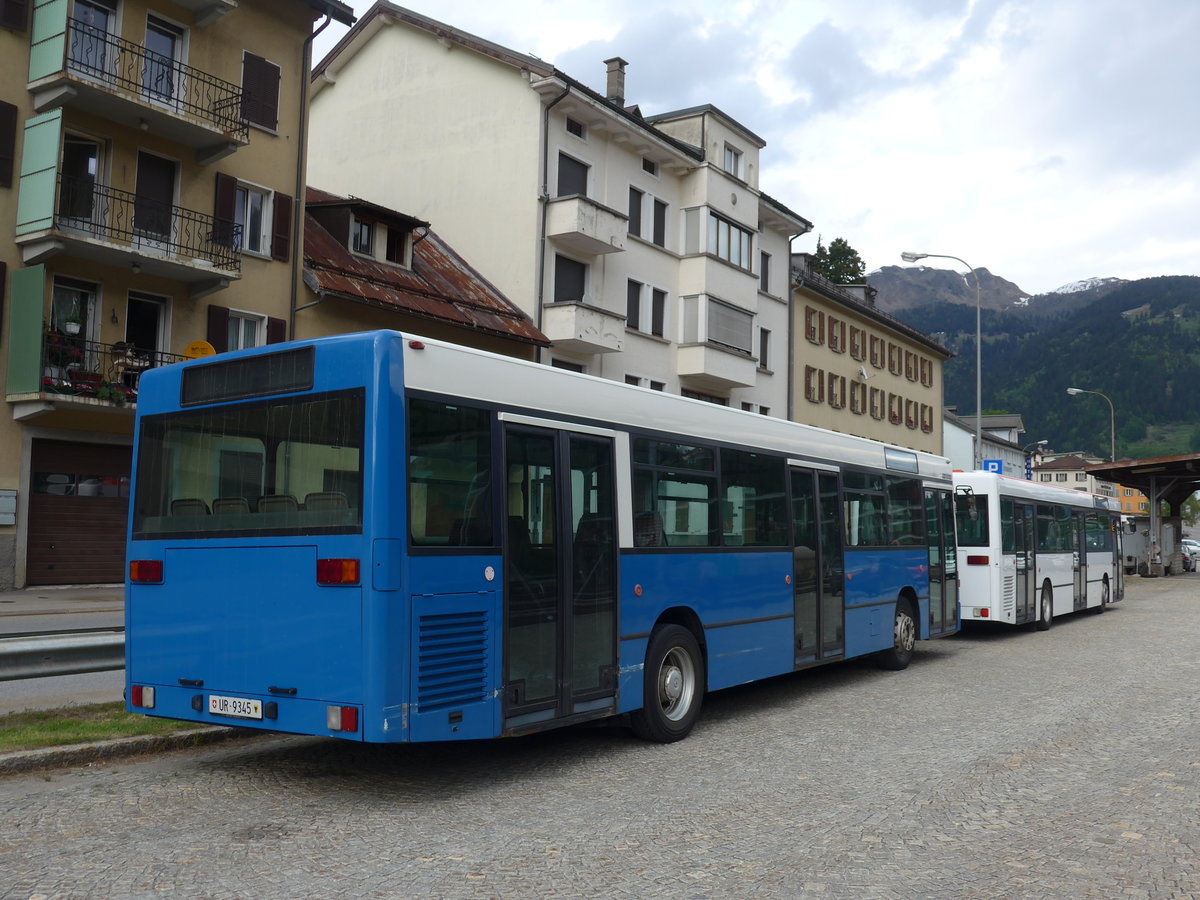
(284, 466)
(971, 520)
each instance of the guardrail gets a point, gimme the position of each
(65, 654)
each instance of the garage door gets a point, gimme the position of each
(77, 509)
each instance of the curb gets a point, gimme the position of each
(20, 761)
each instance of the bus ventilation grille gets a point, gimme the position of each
(452, 660)
(1010, 593)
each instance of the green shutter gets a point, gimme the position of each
(48, 39)
(39, 172)
(28, 301)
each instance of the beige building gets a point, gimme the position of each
(857, 370)
(150, 155)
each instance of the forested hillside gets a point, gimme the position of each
(1138, 343)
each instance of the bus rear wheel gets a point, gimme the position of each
(1104, 597)
(673, 686)
(1046, 610)
(904, 639)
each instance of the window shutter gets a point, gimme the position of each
(281, 231)
(14, 14)
(260, 91)
(276, 331)
(218, 327)
(225, 209)
(8, 142)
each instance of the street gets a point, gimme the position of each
(1000, 764)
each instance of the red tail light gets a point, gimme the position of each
(146, 571)
(337, 571)
(341, 718)
(977, 560)
(141, 696)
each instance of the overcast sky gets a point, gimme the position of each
(1045, 140)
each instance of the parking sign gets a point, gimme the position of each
(994, 465)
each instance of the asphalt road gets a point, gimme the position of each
(999, 765)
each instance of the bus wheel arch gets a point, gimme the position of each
(904, 634)
(674, 679)
(1045, 607)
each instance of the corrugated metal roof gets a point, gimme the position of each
(441, 285)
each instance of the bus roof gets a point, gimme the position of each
(1007, 485)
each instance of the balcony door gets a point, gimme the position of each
(78, 206)
(92, 51)
(152, 208)
(164, 53)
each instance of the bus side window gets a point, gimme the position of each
(1007, 534)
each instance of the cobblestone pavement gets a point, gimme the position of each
(1001, 764)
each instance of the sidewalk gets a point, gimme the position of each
(52, 600)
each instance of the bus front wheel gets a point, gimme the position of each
(1046, 610)
(904, 639)
(673, 686)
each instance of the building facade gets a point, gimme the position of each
(641, 245)
(150, 155)
(1069, 470)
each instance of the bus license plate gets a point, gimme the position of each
(239, 707)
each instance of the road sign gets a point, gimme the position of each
(994, 465)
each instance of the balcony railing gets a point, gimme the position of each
(116, 216)
(158, 79)
(77, 367)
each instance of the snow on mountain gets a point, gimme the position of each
(1086, 285)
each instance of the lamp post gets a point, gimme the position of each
(1112, 418)
(909, 256)
(1025, 452)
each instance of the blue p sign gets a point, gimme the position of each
(994, 465)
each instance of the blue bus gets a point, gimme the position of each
(383, 538)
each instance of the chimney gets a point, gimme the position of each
(616, 80)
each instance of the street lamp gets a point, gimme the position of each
(909, 256)
(1112, 417)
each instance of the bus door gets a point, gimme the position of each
(818, 572)
(1079, 558)
(1024, 544)
(560, 575)
(943, 563)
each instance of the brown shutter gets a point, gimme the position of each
(276, 331)
(225, 209)
(14, 14)
(281, 230)
(260, 91)
(8, 142)
(218, 327)
(3, 286)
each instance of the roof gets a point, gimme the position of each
(1004, 420)
(339, 12)
(441, 286)
(1170, 478)
(968, 424)
(1064, 462)
(703, 109)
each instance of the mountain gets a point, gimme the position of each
(1137, 342)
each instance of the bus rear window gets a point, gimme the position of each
(971, 520)
(290, 466)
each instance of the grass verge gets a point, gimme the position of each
(37, 729)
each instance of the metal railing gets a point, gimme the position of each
(74, 366)
(159, 80)
(110, 214)
(44, 656)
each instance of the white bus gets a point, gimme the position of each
(1028, 552)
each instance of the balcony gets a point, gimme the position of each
(581, 328)
(584, 226)
(91, 221)
(84, 67)
(715, 367)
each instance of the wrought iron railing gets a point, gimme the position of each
(158, 79)
(75, 366)
(114, 215)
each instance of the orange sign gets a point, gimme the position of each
(196, 349)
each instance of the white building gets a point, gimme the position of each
(640, 245)
(1001, 434)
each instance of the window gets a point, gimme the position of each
(1046, 476)
(754, 511)
(362, 237)
(895, 361)
(814, 325)
(728, 241)
(858, 397)
(926, 372)
(895, 408)
(837, 391)
(245, 330)
(814, 384)
(733, 161)
(764, 272)
(568, 366)
(260, 91)
(971, 520)
(729, 326)
(910, 414)
(658, 311)
(877, 404)
(837, 335)
(910, 365)
(1060, 476)
(8, 142)
(674, 495)
(764, 348)
(658, 386)
(164, 45)
(572, 176)
(633, 304)
(89, 49)
(398, 247)
(650, 167)
(265, 217)
(877, 357)
(570, 280)
(252, 212)
(926, 418)
(856, 343)
(576, 128)
(635, 211)
(660, 223)
(14, 14)
(1081, 476)
(633, 380)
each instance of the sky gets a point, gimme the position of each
(1047, 141)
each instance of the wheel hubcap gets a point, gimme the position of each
(906, 634)
(676, 684)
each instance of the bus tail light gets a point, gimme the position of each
(141, 696)
(977, 560)
(982, 612)
(146, 571)
(341, 718)
(337, 571)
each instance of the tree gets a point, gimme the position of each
(839, 262)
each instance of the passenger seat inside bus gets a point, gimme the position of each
(278, 503)
(325, 500)
(648, 530)
(230, 506)
(189, 506)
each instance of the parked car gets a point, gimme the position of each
(1192, 549)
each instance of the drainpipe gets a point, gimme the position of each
(791, 340)
(544, 199)
(298, 197)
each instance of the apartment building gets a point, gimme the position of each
(858, 370)
(150, 155)
(641, 245)
(1069, 470)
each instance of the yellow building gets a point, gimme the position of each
(150, 155)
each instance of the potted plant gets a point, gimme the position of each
(73, 323)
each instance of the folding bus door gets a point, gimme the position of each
(818, 571)
(560, 562)
(943, 563)
(1079, 558)
(1024, 543)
